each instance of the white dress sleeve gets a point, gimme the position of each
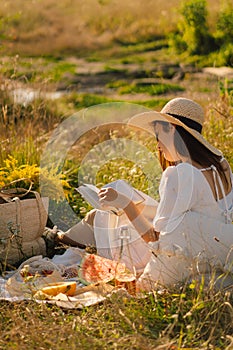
(178, 195)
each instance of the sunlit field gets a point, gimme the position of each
(59, 58)
(38, 27)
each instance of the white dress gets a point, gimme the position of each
(196, 232)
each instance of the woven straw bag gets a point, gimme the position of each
(22, 223)
(14, 251)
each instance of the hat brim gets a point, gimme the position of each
(144, 121)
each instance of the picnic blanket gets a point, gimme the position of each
(14, 287)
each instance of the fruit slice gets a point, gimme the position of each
(54, 289)
(95, 268)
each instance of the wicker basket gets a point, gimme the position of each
(14, 251)
(25, 217)
(22, 223)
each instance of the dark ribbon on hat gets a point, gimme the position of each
(188, 122)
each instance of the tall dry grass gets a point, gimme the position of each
(182, 319)
(48, 26)
(24, 128)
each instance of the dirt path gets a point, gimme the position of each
(198, 84)
(99, 77)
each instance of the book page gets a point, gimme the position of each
(90, 193)
(123, 187)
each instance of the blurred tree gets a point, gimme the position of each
(192, 30)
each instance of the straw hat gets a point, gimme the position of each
(178, 111)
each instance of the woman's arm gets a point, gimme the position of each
(109, 196)
(141, 224)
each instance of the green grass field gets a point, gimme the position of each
(91, 53)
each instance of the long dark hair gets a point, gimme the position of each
(197, 152)
(188, 146)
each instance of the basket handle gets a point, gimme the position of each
(9, 193)
(40, 209)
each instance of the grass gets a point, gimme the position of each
(61, 31)
(41, 53)
(45, 27)
(218, 125)
(187, 318)
(37, 69)
(151, 89)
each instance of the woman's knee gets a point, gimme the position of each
(90, 216)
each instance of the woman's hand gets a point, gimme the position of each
(110, 197)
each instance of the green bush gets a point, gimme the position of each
(221, 57)
(224, 25)
(192, 30)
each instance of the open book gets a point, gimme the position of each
(90, 193)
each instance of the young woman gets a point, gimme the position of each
(192, 230)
